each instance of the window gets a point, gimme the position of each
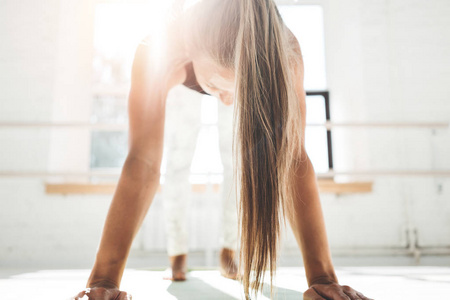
(306, 23)
(118, 29)
(206, 166)
(318, 139)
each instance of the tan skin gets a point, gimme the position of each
(139, 182)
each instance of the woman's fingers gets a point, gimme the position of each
(362, 296)
(351, 292)
(331, 291)
(123, 296)
(102, 294)
(79, 295)
(335, 291)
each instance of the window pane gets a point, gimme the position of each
(206, 166)
(108, 149)
(315, 109)
(109, 109)
(119, 27)
(306, 22)
(316, 137)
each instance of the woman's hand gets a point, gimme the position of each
(334, 291)
(100, 293)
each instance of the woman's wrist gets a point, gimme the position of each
(323, 279)
(102, 283)
(107, 275)
(98, 281)
(320, 271)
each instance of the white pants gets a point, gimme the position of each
(183, 122)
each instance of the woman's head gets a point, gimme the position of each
(215, 79)
(210, 29)
(242, 48)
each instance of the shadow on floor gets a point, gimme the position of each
(282, 293)
(197, 289)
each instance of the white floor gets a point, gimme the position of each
(381, 283)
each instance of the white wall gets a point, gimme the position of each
(386, 61)
(45, 69)
(72, 93)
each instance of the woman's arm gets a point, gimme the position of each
(139, 179)
(136, 188)
(307, 221)
(309, 227)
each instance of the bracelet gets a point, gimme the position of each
(86, 292)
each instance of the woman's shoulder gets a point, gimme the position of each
(159, 58)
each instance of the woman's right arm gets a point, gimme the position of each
(139, 179)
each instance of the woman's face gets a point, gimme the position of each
(214, 79)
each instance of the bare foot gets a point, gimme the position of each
(178, 265)
(228, 267)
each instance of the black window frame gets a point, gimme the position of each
(326, 96)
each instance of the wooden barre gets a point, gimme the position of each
(419, 173)
(325, 186)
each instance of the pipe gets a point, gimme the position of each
(329, 175)
(327, 125)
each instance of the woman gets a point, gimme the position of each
(180, 144)
(241, 52)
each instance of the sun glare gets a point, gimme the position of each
(120, 27)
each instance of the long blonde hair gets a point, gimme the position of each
(249, 37)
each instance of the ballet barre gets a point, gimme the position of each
(325, 186)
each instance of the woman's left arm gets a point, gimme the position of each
(308, 224)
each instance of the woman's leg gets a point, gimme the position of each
(229, 209)
(182, 127)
